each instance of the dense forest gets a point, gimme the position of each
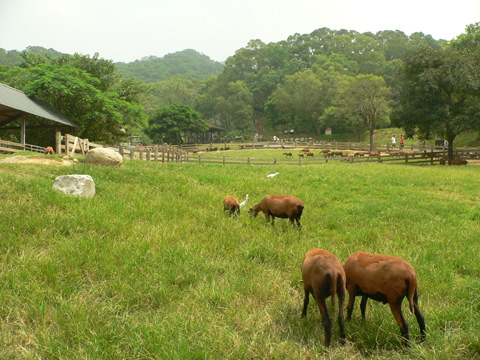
(187, 63)
(342, 79)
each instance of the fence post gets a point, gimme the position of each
(224, 160)
(132, 154)
(120, 150)
(299, 160)
(275, 161)
(248, 161)
(148, 155)
(199, 159)
(155, 154)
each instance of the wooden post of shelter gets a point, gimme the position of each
(148, 155)
(120, 149)
(155, 154)
(132, 154)
(58, 142)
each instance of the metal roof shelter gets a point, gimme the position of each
(16, 105)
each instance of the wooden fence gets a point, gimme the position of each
(411, 158)
(72, 145)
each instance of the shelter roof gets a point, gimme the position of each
(14, 103)
(215, 128)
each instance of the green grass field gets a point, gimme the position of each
(151, 267)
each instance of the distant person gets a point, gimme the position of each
(393, 141)
(401, 142)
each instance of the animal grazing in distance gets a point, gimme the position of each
(49, 150)
(387, 279)
(300, 155)
(231, 204)
(287, 154)
(272, 175)
(457, 162)
(281, 206)
(309, 154)
(323, 276)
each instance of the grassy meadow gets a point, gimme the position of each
(151, 267)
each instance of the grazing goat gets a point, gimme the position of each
(442, 161)
(231, 204)
(287, 154)
(282, 206)
(457, 162)
(49, 150)
(305, 150)
(300, 155)
(323, 276)
(324, 152)
(309, 154)
(387, 279)
(374, 152)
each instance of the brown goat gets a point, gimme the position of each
(324, 152)
(49, 150)
(282, 206)
(300, 155)
(287, 154)
(387, 279)
(323, 276)
(231, 204)
(305, 150)
(309, 154)
(457, 162)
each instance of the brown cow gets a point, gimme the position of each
(323, 276)
(387, 279)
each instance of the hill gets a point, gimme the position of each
(188, 63)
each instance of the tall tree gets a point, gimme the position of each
(367, 97)
(442, 93)
(171, 123)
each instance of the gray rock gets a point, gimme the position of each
(76, 185)
(104, 156)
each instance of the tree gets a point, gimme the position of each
(367, 97)
(171, 123)
(441, 94)
(86, 90)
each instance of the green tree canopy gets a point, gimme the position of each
(366, 100)
(171, 123)
(86, 90)
(442, 93)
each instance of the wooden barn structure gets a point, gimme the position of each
(15, 106)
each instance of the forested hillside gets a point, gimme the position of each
(345, 80)
(187, 63)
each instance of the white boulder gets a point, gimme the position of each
(104, 156)
(76, 185)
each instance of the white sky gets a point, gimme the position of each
(126, 30)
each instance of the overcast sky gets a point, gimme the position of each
(127, 30)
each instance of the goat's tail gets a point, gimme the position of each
(412, 290)
(333, 287)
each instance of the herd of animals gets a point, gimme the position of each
(383, 278)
